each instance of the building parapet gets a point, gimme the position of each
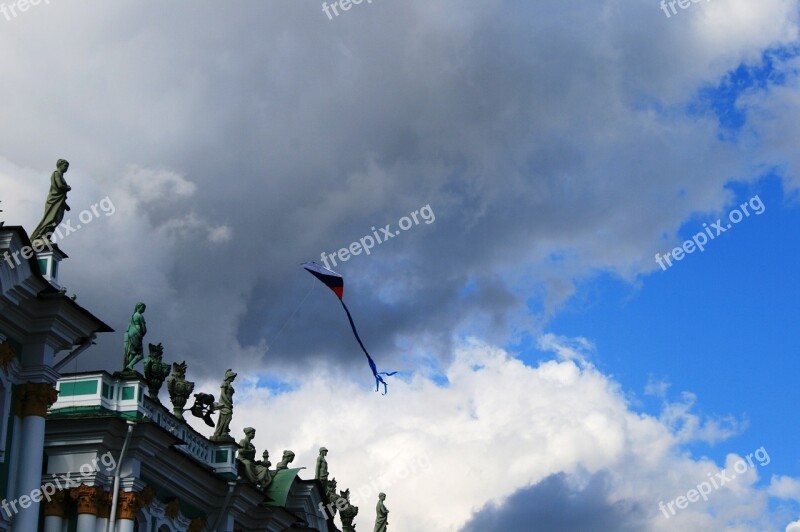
(125, 397)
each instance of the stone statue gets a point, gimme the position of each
(56, 204)
(225, 407)
(348, 512)
(382, 517)
(179, 389)
(263, 475)
(203, 407)
(331, 495)
(321, 471)
(288, 458)
(155, 370)
(137, 328)
(247, 455)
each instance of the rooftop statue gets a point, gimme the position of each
(155, 370)
(382, 517)
(321, 472)
(56, 203)
(179, 389)
(288, 458)
(246, 456)
(348, 512)
(263, 475)
(134, 336)
(203, 407)
(331, 495)
(225, 407)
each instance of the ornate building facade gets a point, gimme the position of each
(98, 452)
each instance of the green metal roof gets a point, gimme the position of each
(278, 489)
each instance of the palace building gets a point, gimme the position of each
(98, 452)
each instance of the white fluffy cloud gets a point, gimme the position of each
(442, 453)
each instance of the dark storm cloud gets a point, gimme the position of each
(524, 126)
(553, 505)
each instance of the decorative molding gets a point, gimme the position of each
(128, 505)
(7, 356)
(173, 509)
(146, 496)
(86, 498)
(197, 525)
(34, 398)
(104, 505)
(55, 505)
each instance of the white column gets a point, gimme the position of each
(102, 523)
(125, 525)
(30, 472)
(87, 523)
(13, 465)
(34, 400)
(53, 523)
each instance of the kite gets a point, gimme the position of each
(335, 282)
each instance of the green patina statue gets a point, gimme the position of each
(134, 336)
(321, 471)
(348, 511)
(56, 203)
(255, 472)
(179, 389)
(155, 370)
(263, 475)
(246, 456)
(382, 518)
(331, 495)
(225, 407)
(288, 458)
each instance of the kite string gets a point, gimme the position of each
(277, 335)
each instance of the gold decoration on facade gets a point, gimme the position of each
(146, 496)
(173, 509)
(197, 525)
(34, 398)
(127, 505)
(56, 505)
(7, 355)
(86, 498)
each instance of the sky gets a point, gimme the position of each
(552, 375)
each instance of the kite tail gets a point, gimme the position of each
(355, 332)
(378, 378)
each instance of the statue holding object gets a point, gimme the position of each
(225, 407)
(56, 204)
(134, 336)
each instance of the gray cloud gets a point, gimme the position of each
(549, 138)
(553, 505)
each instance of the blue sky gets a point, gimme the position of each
(561, 146)
(722, 323)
